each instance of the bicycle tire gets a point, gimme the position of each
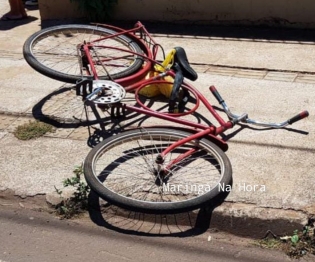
(118, 154)
(60, 60)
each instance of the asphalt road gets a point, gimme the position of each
(27, 235)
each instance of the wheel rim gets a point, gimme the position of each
(59, 51)
(128, 169)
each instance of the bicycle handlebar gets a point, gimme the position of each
(298, 117)
(244, 118)
(216, 94)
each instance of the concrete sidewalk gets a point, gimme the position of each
(271, 81)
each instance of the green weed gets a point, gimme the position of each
(297, 245)
(96, 10)
(300, 243)
(78, 202)
(32, 129)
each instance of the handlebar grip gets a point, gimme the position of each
(216, 94)
(298, 117)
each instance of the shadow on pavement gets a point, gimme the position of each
(154, 225)
(8, 25)
(238, 33)
(63, 109)
(230, 32)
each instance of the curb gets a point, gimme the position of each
(239, 219)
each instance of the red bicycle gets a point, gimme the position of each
(149, 169)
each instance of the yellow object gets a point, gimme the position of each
(156, 89)
(167, 63)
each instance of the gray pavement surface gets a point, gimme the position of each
(269, 80)
(31, 236)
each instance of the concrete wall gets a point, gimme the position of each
(284, 12)
(58, 9)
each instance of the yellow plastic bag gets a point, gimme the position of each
(157, 88)
(160, 88)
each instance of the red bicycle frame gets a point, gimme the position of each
(137, 81)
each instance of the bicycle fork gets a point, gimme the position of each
(164, 172)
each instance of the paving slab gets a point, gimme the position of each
(35, 167)
(222, 71)
(281, 76)
(238, 53)
(305, 78)
(250, 74)
(18, 122)
(21, 87)
(6, 121)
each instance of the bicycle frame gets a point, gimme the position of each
(137, 81)
(146, 42)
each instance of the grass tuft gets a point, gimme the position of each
(32, 129)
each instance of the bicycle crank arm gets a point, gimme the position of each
(94, 94)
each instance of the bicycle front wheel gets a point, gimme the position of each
(123, 170)
(55, 52)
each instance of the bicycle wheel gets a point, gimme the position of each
(123, 171)
(55, 52)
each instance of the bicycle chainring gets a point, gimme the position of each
(110, 92)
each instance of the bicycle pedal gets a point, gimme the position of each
(84, 87)
(117, 111)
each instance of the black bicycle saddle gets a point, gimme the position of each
(181, 59)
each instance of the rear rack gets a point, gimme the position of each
(139, 32)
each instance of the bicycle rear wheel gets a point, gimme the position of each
(123, 171)
(54, 52)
